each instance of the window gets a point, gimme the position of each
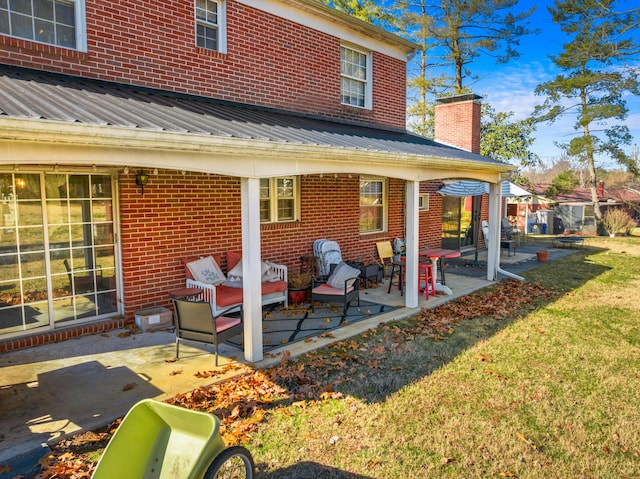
(373, 205)
(423, 201)
(54, 22)
(279, 199)
(355, 74)
(210, 25)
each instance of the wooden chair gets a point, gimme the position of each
(195, 322)
(385, 252)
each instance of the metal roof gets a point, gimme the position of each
(43, 96)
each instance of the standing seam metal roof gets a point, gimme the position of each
(37, 95)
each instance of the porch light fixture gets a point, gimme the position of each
(141, 180)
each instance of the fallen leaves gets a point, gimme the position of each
(482, 357)
(243, 400)
(497, 375)
(507, 300)
(527, 441)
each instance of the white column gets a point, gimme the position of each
(493, 248)
(411, 238)
(251, 270)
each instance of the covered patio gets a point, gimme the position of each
(76, 124)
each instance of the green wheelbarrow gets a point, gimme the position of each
(159, 440)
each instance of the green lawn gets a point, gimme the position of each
(552, 392)
(530, 380)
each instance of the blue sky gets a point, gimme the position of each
(511, 87)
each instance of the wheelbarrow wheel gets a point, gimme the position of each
(233, 462)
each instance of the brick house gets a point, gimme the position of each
(262, 125)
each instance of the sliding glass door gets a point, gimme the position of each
(57, 250)
(459, 220)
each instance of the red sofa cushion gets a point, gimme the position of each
(228, 296)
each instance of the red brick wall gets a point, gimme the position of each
(458, 124)
(269, 61)
(181, 216)
(430, 232)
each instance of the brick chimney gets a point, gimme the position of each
(457, 121)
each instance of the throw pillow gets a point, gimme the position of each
(343, 272)
(270, 275)
(235, 274)
(206, 270)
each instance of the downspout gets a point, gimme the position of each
(493, 259)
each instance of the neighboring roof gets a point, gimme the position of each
(578, 195)
(47, 97)
(626, 195)
(583, 195)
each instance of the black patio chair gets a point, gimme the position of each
(323, 291)
(195, 322)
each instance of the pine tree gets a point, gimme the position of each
(595, 77)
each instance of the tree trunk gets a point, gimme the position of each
(591, 165)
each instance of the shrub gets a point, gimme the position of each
(617, 221)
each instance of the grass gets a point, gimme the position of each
(552, 393)
(548, 390)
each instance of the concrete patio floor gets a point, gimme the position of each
(61, 389)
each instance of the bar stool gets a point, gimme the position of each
(425, 273)
(397, 267)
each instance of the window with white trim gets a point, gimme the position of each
(373, 204)
(210, 25)
(355, 72)
(279, 199)
(54, 22)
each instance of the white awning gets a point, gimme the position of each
(476, 188)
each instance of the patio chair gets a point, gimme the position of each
(385, 252)
(328, 253)
(508, 232)
(340, 287)
(195, 322)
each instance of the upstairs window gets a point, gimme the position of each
(210, 25)
(279, 199)
(54, 22)
(355, 76)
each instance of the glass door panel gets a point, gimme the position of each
(23, 281)
(50, 225)
(466, 222)
(459, 218)
(451, 222)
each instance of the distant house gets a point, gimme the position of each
(573, 212)
(133, 135)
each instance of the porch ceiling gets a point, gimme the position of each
(51, 109)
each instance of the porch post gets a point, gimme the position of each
(411, 238)
(493, 248)
(251, 269)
